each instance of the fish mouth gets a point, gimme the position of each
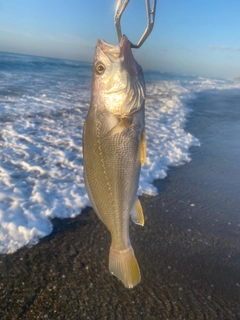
(115, 52)
(123, 52)
(111, 52)
(125, 45)
(128, 58)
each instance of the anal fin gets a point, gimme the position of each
(137, 213)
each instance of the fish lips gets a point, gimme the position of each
(132, 66)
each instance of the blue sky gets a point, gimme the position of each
(198, 37)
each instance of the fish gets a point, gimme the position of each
(114, 149)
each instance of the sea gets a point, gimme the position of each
(43, 104)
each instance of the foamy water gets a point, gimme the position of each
(43, 104)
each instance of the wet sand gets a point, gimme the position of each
(188, 250)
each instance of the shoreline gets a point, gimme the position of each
(188, 251)
(188, 272)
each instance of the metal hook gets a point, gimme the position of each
(121, 5)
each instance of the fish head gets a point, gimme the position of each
(118, 81)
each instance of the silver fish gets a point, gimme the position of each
(114, 148)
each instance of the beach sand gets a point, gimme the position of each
(188, 251)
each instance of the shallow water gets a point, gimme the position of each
(43, 104)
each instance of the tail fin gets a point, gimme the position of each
(124, 266)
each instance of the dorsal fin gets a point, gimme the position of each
(143, 147)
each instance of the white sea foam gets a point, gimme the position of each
(42, 111)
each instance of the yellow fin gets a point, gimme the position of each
(124, 266)
(119, 128)
(143, 147)
(137, 213)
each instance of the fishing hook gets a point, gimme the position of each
(121, 6)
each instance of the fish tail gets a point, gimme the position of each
(123, 264)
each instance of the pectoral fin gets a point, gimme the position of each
(137, 213)
(143, 146)
(122, 125)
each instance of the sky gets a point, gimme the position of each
(193, 37)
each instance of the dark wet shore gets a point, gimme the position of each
(188, 250)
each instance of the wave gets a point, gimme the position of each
(11, 61)
(41, 121)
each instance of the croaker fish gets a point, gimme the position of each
(114, 148)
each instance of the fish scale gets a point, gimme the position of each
(113, 151)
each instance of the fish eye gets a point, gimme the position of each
(100, 68)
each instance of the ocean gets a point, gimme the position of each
(43, 104)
